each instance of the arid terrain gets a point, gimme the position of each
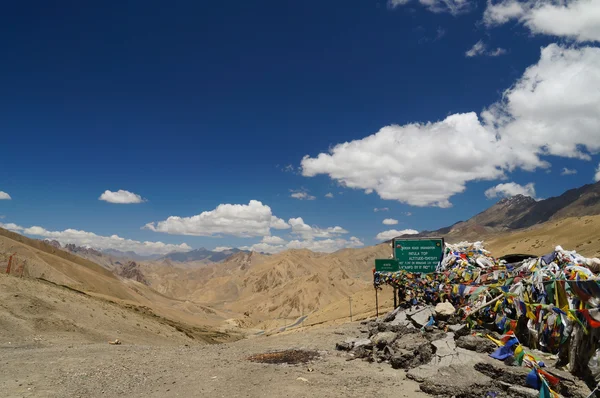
(54, 343)
(56, 321)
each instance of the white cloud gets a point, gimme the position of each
(308, 237)
(273, 240)
(253, 219)
(99, 242)
(578, 20)
(378, 209)
(221, 248)
(502, 12)
(392, 233)
(318, 245)
(329, 195)
(511, 189)
(278, 223)
(480, 48)
(12, 227)
(454, 7)
(477, 49)
(553, 109)
(567, 172)
(300, 228)
(390, 221)
(301, 194)
(497, 52)
(4, 196)
(408, 214)
(397, 3)
(325, 245)
(263, 248)
(412, 163)
(121, 197)
(597, 175)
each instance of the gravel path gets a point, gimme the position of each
(102, 370)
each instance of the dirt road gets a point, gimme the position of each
(102, 370)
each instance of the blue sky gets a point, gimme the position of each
(192, 105)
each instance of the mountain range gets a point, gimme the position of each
(202, 254)
(252, 290)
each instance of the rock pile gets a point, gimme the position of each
(446, 357)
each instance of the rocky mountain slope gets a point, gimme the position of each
(41, 260)
(520, 211)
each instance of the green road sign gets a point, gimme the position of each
(418, 254)
(386, 265)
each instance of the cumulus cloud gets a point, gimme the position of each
(511, 189)
(4, 196)
(99, 242)
(597, 175)
(12, 227)
(273, 240)
(480, 48)
(300, 228)
(577, 20)
(278, 223)
(553, 109)
(454, 7)
(321, 245)
(378, 209)
(306, 237)
(329, 195)
(121, 197)
(392, 233)
(253, 219)
(326, 245)
(390, 221)
(221, 248)
(567, 172)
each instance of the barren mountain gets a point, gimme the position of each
(39, 260)
(521, 211)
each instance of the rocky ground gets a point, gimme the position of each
(447, 359)
(222, 370)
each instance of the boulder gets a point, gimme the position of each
(351, 343)
(361, 352)
(408, 359)
(459, 330)
(392, 315)
(384, 338)
(456, 380)
(420, 317)
(444, 311)
(367, 343)
(400, 319)
(343, 346)
(476, 343)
